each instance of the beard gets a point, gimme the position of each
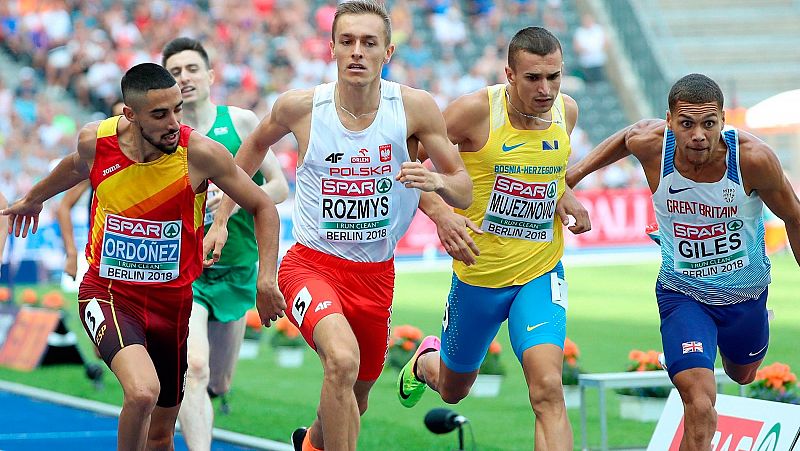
(162, 147)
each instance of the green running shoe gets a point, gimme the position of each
(409, 388)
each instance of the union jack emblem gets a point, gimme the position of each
(692, 346)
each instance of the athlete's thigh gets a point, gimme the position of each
(197, 342)
(167, 333)
(110, 325)
(224, 340)
(688, 332)
(367, 303)
(538, 314)
(309, 296)
(473, 316)
(743, 330)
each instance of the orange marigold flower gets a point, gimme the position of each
(636, 355)
(408, 345)
(570, 349)
(495, 348)
(252, 320)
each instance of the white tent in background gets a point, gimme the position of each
(780, 110)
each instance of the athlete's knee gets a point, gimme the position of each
(198, 370)
(160, 443)
(698, 403)
(141, 396)
(341, 365)
(160, 439)
(545, 393)
(741, 374)
(453, 393)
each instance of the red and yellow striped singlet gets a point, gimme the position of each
(146, 224)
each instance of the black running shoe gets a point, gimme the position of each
(298, 436)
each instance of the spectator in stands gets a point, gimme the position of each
(590, 44)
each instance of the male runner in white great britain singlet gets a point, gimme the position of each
(709, 186)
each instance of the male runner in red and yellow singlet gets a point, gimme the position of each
(149, 174)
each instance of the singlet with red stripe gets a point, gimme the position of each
(146, 223)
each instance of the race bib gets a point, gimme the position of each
(137, 250)
(709, 249)
(355, 210)
(523, 210)
(208, 218)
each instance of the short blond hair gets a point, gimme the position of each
(363, 7)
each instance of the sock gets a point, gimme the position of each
(307, 446)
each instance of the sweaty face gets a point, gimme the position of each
(697, 128)
(158, 116)
(360, 47)
(192, 75)
(537, 79)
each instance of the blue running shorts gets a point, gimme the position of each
(692, 330)
(473, 316)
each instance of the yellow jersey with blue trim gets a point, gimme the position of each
(517, 176)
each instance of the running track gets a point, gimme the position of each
(34, 419)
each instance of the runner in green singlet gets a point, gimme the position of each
(224, 292)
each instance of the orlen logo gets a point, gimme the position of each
(522, 189)
(338, 187)
(736, 434)
(363, 157)
(133, 227)
(699, 232)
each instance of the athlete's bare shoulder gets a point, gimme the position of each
(292, 106)
(757, 161)
(571, 111)
(467, 120)
(644, 138)
(87, 139)
(417, 101)
(422, 113)
(245, 121)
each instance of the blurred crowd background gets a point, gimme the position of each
(61, 61)
(68, 57)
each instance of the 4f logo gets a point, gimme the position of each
(334, 157)
(386, 152)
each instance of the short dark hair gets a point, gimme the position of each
(363, 7)
(695, 88)
(142, 78)
(181, 44)
(536, 40)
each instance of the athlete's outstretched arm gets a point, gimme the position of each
(64, 216)
(254, 148)
(642, 140)
(3, 230)
(276, 186)
(762, 171)
(612, 149)
(24, 214)
(425, 122)
(212, 161)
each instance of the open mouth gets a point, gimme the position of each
(356, 67)
(171, 138)
(187, 89)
